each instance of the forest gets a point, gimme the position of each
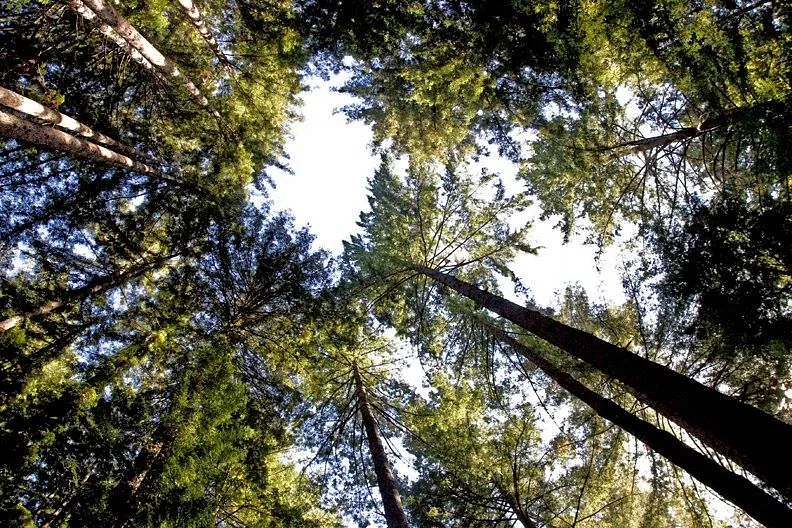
(174, 353)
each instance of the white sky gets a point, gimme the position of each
(332, 161)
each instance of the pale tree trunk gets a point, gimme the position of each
(642, 145)
(108, 32)
(734, 488)
(122, 27)
(391, 501)
(44, 136)
(754, 439)
(192, 12)
(24, 105)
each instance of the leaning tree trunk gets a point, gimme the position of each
(71, 297)
(24, 105)
(725, 118)
(192, 12)
(44, 136)
(122, 27)
(108, 32)
(736, 489)
(125, 496)
(754, 439)
(391, 501)
(56, 517)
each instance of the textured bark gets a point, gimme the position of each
(736, 489)
(391, 501)
(108, 32)
(43, 136)
(24, 105)
(122, 27)
(752, 438)
(198, 21)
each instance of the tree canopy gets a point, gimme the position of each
(174, 351)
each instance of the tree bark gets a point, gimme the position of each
(122, 27)
(108, 32)
(391, 501)
(24, 105)
(98, 285)
(752, 438)
(736, 489)
(192, 12)
(43, 136)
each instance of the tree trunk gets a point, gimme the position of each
(125, 496)
(43, 136)
(122, 27)
(727, 117)
(198, 21)
(57, 515)
(98, 285)
(515, 506)
(108, 32)
(644, 144)
(736, 489)
(752, 438)
(391, 501)
(22, 104)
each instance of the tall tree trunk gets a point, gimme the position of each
(727, 117)
(752, 438)
(125, 496)
(514, 504)
(122, 27)
(108, 32)
(24, 105)
(736, 489)
(394, 511)
(96, 286)
(644, 144)
(48, 137)
(198, 21)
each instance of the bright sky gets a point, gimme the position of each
(332, 161)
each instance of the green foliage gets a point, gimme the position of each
(172, 349)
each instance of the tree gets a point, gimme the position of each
(736, 489)
(38, 135)
(502, 62)
(120, 26)
(653, 384)
(30, 107)
(392, 261)
(169, 418)
(394, 512)
(732, 253)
